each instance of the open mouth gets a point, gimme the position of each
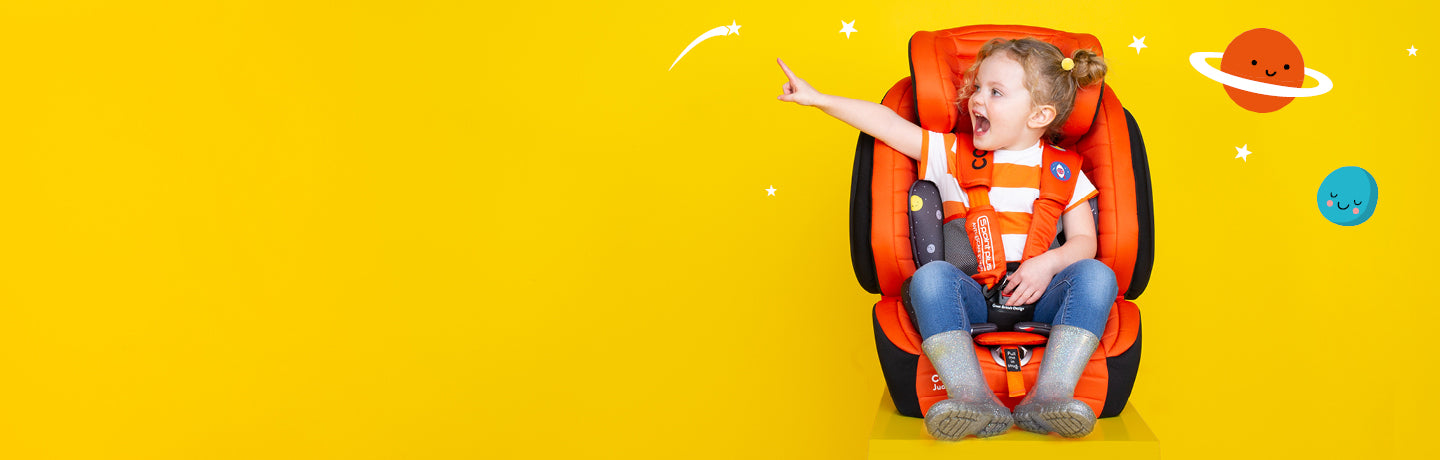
(1268, 74)
(982, 125)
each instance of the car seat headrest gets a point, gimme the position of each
(939, 59)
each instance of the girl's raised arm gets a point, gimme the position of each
(874, 119)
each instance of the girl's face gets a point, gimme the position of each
(1000, 108)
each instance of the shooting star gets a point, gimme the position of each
(716, 32)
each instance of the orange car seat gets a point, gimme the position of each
(1107, 139)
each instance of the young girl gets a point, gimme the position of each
(1019, 92)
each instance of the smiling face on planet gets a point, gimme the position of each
(1265, 56)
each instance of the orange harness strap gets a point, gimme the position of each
(982, 223)
(1057, 186)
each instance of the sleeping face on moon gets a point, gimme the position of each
(1347, 196)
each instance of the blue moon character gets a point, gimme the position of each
(1348, 196)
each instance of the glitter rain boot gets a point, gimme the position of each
(971, 408)
(1051, 405)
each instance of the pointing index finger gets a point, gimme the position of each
(788, 73)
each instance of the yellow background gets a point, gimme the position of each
(463, 230)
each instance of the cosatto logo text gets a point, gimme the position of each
(935, 380)
(980, 161)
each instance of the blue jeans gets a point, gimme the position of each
(945, 299)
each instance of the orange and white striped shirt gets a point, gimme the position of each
(1014, 187)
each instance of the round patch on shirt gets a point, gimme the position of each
(1060, 171)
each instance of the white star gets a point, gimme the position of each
(1138, 43)
(771, 190)
(734, 29)
(846, 28)
(1242, 152)
(1412, 50)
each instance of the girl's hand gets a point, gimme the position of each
(796, 90)
(1030, 280)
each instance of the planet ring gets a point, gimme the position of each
(1197, 60)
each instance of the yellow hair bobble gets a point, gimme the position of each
(1067, 63)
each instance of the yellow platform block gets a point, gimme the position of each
(900, 437)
